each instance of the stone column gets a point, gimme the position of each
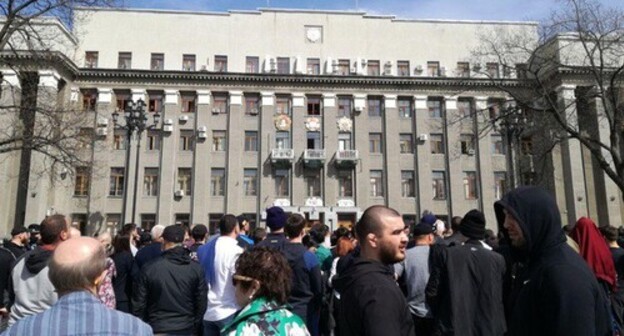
(361, 182)
(9, 162)
(201, 159)
(234, 166)
(330, 144)
(392, 151)
(168, 165)
(299, 143)
(266, 142)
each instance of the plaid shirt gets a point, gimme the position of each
(80, 313)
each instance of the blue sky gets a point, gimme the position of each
(415, 9)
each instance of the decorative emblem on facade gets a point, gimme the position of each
(345, 124)
(282, 122)
(313, 124)
(314, 34)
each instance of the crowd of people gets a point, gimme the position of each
(383, 277)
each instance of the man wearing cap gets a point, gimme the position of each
(218, 259)
(35, 235)
(9, 253)
(171, 291)
(243, 239)
(275, 220)
(413, 272)
(471, 280)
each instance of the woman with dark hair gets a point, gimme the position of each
(122, 281)
(262, 285)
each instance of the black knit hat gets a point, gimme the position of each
(275, 218)
(473, 225)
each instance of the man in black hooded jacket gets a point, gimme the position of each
(371, 302)
(555, 293)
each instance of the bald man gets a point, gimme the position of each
(76, 270)
(371, 302)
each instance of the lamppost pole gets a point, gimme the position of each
(135, 120)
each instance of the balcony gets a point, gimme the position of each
(282, 157)
(347, 158)
(314, 158)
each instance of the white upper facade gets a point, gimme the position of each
(270, 33)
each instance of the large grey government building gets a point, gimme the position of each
(321, 112)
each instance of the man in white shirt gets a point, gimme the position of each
(218, 258)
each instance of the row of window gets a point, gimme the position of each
(282, 65)
(312, 180)
(283, 104)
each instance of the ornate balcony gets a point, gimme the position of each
(347, 158)
(314, 158)
(282, 157)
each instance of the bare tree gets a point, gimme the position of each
(582, 44)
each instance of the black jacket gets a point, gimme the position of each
(274, 241)
(122, 282)
(307, 287)
(171, 294)
(371, 302)
(468, 299)
(555, 292)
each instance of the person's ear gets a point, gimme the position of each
(98, 281)
(372, 239)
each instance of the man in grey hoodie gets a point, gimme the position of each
(30, 289)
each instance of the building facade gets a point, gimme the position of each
(322, 113)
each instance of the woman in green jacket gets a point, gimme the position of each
(262, 286)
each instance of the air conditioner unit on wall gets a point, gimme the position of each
(179, 193)
(101, 131)
(184, 118)
(423, 137)
(168, 128)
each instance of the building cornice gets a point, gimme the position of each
(26, 59)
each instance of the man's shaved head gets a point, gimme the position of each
(77, 264)
(372, 221)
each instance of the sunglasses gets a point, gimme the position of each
(240, 278)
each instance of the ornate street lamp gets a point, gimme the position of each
(136, 120)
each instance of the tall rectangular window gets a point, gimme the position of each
(407, 183)
(81, 185)
(464, 108)
(282, 183)
(155, 103)
(345, 183)
(344, 66)
(439, 185)
(404, 106)
(188, 102)
(282, 140)
(187, 140)
(498, 146)
(372, 67)
(500, 184)
(116, 182)
(435, 107)
(375, 107)
(91, 59)
(406, 143)
(150, 182)
(463, 69)
(122, 100)
(375, 143)
(153, 140)
(252, 104)
(185, 180)
(217, 182)
(312, 180)
(495, 107)
(188, 62)
(148, 221)
(314, 105)
(376, 183)
(252, 64)
(344, 107)
(470, 185)
(313, 140)
(433, 69)
(89, 99)
(314, 66)
(119, 139)
(251, 141)
(403, 68)
(220, 103)
(124, 60)
(283, 65)
(218, 141)
(220, 63)
(492, 70)
(157, 61)
(250, 181)
(466, 142)
(282, 105)
(344, 141)
(437, 143)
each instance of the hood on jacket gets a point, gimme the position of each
(360, 268)
(538, 216)
(178, 255)
(37, 260)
